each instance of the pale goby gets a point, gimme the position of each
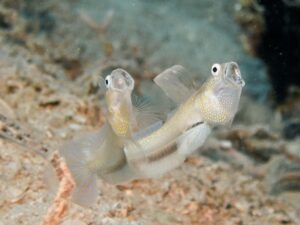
(214, 103)
(100, 153)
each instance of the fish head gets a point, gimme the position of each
(119, 86)
(119, 80)
(219, 97)
(229, 73)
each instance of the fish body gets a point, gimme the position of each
(100, 153)
(121, 123)
(214, 103)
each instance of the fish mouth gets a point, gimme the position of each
(233, 74)
(122, 80)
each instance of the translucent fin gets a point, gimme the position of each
(145, 112)
(193, 139)
(96, 154)
(85, 193)
(50, 179)
(169, 81)
(79, 153)
(124, 174)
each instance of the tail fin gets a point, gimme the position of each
(85, 192)
(79, 153)
(120, 175)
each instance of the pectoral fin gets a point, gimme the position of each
(193, 139)
(146, 113)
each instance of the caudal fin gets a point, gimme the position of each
(79, 153)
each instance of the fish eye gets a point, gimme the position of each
(107, 81)
(215, 69)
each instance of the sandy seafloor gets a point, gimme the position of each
(51, 56)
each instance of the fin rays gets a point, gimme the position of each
(169, 81)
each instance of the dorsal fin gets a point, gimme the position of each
(173, 81)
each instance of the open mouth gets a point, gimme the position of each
(122, 80)
(233, 74)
